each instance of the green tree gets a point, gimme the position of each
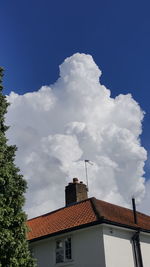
(14, 250)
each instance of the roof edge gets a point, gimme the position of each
(126, 226)
(65, 231)
(100, 221)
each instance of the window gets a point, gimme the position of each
(63, 250)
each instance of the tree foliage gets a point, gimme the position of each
(14, 250)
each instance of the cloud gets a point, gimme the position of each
(59, 126)
(144, 205)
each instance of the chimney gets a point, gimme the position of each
(75, 191)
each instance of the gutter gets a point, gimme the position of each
(68, 230)
(99, 220)
(137, 249)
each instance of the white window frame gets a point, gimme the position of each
(61, 249)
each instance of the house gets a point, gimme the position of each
(88, 232)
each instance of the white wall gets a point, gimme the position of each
(97, 246)
(87, 249)
(145, 249)
(43, 252)
(118, 247)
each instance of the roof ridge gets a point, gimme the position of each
(93, 203)
(54, 211)
(88, 212)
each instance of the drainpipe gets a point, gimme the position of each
(136, 239)
(137, 249)
(134, 211)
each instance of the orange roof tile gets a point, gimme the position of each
(90, 211)
(120, 215)
(59, 220)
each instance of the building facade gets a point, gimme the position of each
(89, 233)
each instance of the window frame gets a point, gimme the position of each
(64, 249)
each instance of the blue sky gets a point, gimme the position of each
(36, 37)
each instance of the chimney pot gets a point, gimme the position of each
(75, 180)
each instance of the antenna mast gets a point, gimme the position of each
(86, 171)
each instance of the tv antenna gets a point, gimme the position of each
(86, 171)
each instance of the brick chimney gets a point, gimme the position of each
(75, 191)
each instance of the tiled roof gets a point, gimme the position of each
(120, 215)
(59, 220)
(90, 211)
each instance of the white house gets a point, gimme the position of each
(88, 232)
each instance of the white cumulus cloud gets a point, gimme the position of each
(58, 126)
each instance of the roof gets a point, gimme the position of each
(82, 214)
